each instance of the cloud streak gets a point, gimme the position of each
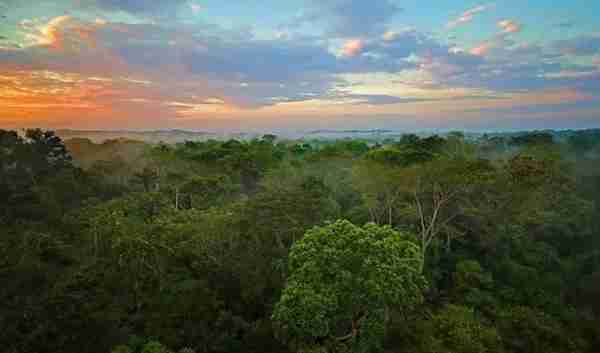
(467, 16)
(581, 45)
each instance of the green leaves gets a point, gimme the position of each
(343, 279)
(150, 347)
(457, 329)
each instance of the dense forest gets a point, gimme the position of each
(432, 244)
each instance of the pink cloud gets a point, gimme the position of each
(482, 49)
(353, 47)
(499, 40)
(196, 8)
(467, 16)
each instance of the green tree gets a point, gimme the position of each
(343, 280)
(456, 329)
(150, 347)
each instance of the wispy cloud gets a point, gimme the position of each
(349, 18)
(499, 40)
(467, 16)
(565, 24)
(581, 45)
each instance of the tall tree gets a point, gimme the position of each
(343, 280)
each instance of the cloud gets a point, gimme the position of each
(391, 50)
(510, 26)
(513, 69)
(565, 24)
(160, 8)
(500, 40)
(350, 18)
(502, 65)
(482, 49)
(494, 47)
(53, 97)
(582, 45)
(389, 36)
(381, 99)
(187, 71)
(573, 74)
(467, 16)
(353, 47)
(245, 72)
(196, 8)
(181, 70)
(49, 34)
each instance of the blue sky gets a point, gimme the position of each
(299, 64)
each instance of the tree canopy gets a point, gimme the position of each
(392, 243)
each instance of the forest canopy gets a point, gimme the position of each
(431, 244)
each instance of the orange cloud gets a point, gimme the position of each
(509, 26)
(482, 49)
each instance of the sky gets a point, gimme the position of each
(242, 65)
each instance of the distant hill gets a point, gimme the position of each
(178, 136)
(156, 136)
(347, 132)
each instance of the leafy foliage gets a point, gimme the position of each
(344, 278)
